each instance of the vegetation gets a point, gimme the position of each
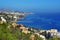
(54, 38)
(13, 34)
(16, 34)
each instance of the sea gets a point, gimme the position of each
(44, 21)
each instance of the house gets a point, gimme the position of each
(53, 32)
(3, 19)
(14, 24)
(24, 29)
(32, 37)
(1, 22)
(43, 37)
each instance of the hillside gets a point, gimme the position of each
(14, 34)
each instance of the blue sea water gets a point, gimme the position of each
(42, 21)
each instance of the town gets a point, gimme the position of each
(10, 18)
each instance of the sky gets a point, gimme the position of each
(31, 5)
